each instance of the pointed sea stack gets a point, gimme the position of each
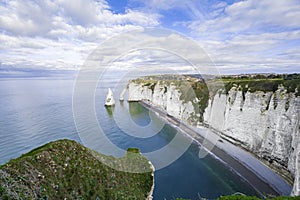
(109, 98)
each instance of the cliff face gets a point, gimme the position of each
(166, 96)
(265, 123)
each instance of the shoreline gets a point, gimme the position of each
(281, 172)
(261, 177)
(150, 193)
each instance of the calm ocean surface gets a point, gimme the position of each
(38, 110)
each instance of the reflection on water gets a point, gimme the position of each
(139, 114)
(136, 110)
(110, 110)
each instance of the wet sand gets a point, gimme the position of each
(258, 175)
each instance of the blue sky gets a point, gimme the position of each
(240, 36)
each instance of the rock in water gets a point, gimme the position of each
(109, 98)
(65, 169)
(122, 95)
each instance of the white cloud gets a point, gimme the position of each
(60, 17)
(26, 17)
(59, 33)
(195, 9)
(266, 13)
(252, 16)
(252, 33)
(83, 12)
(267, 51)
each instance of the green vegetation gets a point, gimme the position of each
(253, 85)
(190, 91)
(263, 83)
(66, 169)
(147, 82)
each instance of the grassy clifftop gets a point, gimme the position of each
(265, 83)
(191, 86)
(66, 169)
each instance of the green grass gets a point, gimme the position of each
(265, 84)
(66, 169)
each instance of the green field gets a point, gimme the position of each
(290, 82)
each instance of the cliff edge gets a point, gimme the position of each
(67, 170)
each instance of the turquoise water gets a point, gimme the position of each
(36, 111)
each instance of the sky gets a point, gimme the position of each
(249, 36)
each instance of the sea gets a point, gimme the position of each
(37, 110)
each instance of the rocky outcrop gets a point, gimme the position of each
(296, 187)
(167, 96)
(265, 123)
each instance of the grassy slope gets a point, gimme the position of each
(66, 169)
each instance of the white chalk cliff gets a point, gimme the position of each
(165, 96)
(265, 123)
